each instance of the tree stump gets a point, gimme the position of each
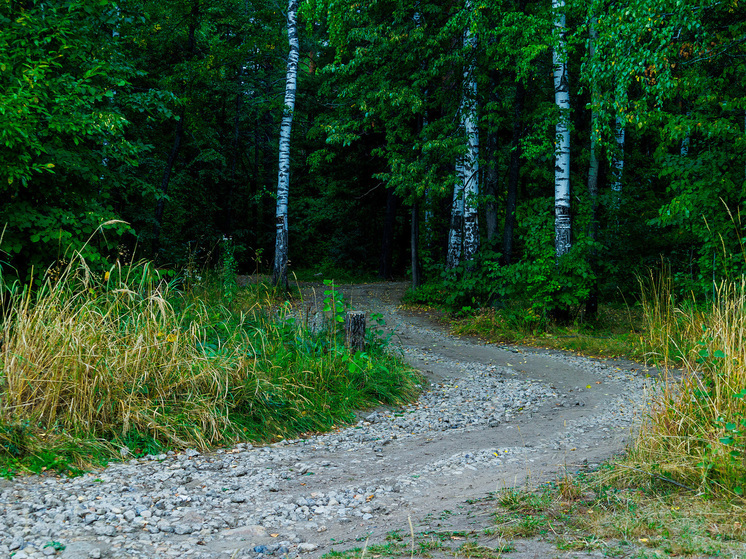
(355, 330)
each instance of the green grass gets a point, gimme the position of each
(600, 511)
(615, 332)
(91, 363)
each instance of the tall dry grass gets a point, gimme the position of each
(696, 431)
(105, 356)
(127, 357)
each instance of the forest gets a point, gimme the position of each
(526, 165)
(502, 148)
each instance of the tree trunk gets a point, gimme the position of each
(355, 331)
(387, 246)
(514, 174)
(280, 269)
(455, 234)
(165, 180)
(471, 160)
(415, 239)
(591, 303)
(562, 222)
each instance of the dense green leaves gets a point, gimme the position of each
(166, 116)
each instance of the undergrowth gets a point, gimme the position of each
(134, 362)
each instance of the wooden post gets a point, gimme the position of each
(355, 330)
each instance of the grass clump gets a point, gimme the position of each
(696, 430)
(92, 365)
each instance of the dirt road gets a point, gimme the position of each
(592, 409)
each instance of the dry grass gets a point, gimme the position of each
(696, 431)
(88, 355)
(126, 358)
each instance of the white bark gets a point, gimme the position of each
(455, 235)
(279, 273)
(471, 159)
(562, 223)
(618, 162)
(463, 240)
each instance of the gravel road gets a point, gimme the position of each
(492, 417)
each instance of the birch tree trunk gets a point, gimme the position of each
(618, 162)
(562, 223)
(455, 235)
(280, 270)
(471, 159)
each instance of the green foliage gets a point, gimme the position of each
(60, 132)
(470, 285)
(547, 284)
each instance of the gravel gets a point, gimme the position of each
(251, 502)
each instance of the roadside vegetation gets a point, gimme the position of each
(134, 361)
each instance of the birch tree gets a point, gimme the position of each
(562, 223)
(280, 272)
(463, 240)
(618, 164)
(456, 231)
(470, 168)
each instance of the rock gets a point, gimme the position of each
(246, 532)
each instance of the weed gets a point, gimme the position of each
(696, 431)
(471, 550)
